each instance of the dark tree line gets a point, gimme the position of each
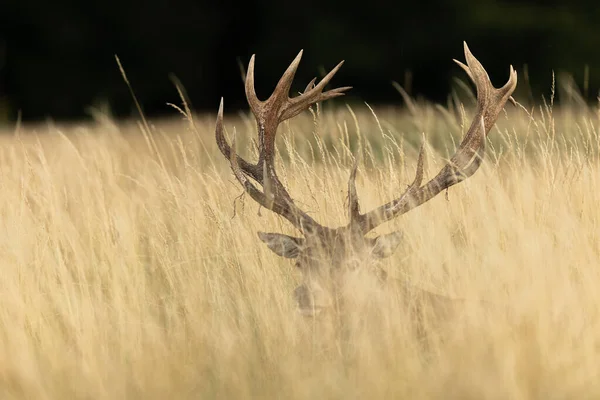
(57, 57)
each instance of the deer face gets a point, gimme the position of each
(326, 260)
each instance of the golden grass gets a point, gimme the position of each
(124, 274)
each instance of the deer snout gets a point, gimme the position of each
(312, 300)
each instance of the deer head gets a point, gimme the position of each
(326, 256)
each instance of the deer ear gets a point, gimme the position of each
(385, 245)
(282, 245)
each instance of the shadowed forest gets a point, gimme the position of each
(57, 58)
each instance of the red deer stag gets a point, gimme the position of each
(325, 255)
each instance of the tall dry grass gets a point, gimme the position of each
(125, 274)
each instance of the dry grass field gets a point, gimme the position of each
(125, 273)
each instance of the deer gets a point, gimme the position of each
(325, 255)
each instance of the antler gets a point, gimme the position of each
(269, 114)
(463, 164)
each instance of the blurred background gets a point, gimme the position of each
(57, 58)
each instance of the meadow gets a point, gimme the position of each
(131, 267)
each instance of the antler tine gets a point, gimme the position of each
(313, 95)
(353, 204)
(353, 201)
(248, 168)
(310, 85)
(464, 67)
(469, 154)
(421, 161)
(282, 89)
(468, 71)
(321, 85)
(253, 101)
